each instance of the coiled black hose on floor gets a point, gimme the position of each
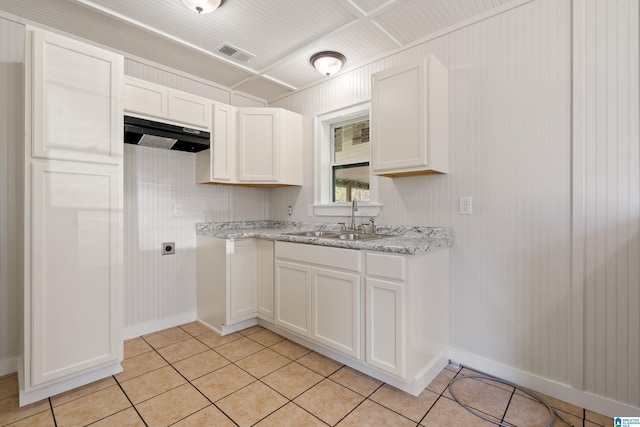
(552, 412)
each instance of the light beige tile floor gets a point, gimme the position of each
(191, 376)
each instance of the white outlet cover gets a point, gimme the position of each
(465, 207)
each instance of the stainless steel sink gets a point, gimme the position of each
(358, 236)
(314, 233)
(338, 235)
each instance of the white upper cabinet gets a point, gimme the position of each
(410, 119)
(269, 147)
(75, 98)
(143, 97)
(218, 164)
(150, 100)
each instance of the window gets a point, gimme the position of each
(350, 160)
(341, 159)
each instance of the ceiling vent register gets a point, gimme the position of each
(235, 53)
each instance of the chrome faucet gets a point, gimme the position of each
(354, 209)
(373, 225)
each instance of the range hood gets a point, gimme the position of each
(163, 135)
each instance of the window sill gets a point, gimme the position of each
(344, 209)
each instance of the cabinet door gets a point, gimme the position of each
(218, 164)
(336, 310)
(76, 108)
(74, 315)
(399, 118)
(242, 296)
(146, 98)
(265, 279)
(385, 326)
(189, 109)
(293, 297)
(258, 135)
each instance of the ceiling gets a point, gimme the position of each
(280, 35)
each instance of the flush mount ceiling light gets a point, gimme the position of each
(202, 6)
(328, 62)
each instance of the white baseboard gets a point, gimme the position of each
(583, 399)
(34, 395)
(8, 366)
(229, 329)
(133, 331)
(414, 388)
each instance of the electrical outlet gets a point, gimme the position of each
(168, 248)
(290, 210)
(465, 205)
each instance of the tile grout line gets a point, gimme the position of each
(440, 396)
(506, 409)
(132, 405)
(53, 415)
(484, 382)
(191, 384)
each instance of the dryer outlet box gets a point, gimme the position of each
(168, 248)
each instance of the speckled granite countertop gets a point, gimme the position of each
(399, 239)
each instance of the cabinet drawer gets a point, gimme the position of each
(346, 259)
(385, 265)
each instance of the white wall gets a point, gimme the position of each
(514, 287)
(606, 219)
(162, 204)
(11, 139)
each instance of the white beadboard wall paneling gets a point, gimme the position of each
(162, 204)
(248, 203)
(607, 185)
(510, 147)
(12, 38)
(159, 74)
(510, 88)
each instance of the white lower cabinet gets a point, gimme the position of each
(293, 297)
(242, 280)
(226, 281)
(335, 309)
(385, 325)
(265, 280)
(74, 311)
(383, 313)
(407, 303)
(318, 295)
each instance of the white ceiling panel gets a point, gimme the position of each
(257, 27)
(370, 6)
(415, 19)
(358, 43)
(262, 88)
(282, 34)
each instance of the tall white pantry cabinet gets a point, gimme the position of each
(72, 320)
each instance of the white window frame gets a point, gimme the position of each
(323, 204)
